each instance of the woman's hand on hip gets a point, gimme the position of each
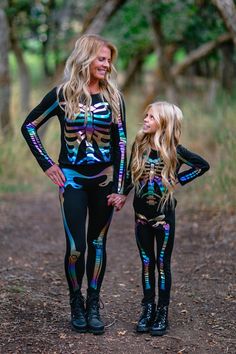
(56, 175)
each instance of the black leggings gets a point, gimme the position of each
(79, 195)
(146, 235)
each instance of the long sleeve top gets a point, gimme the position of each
(87, 145)
(147, 197)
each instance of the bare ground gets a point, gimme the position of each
(34, 307)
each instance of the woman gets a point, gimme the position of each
(92, 164)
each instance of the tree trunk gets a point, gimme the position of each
(227, 10)
(23, 74)
(102, 16)
(164, 82)
(135, 67)
(227, 66)
(5, 122)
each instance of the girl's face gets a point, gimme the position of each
(101, 64)
(150, 125)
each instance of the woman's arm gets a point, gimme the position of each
(198, 166)
(46, 109)
(119, 151)
(37, 117)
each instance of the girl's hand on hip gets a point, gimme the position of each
(56, 175)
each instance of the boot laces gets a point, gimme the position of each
(162, 314)
(96, 302)
(78, 304)
(147, 310)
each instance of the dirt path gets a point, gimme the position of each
(34, 306)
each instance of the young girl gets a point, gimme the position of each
(153, 170)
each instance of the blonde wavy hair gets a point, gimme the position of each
(166, 138)
(75, 87)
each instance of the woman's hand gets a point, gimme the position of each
(56, 175)
(116, 200)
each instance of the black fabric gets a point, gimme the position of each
(94, 142)
(155, 248)
(76, 199)
(197, 164)
(155, 224)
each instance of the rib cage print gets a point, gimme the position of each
(151, 178)
(88, 138)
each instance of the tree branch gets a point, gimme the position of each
(227, 10)
(101, 15)
(199, 53)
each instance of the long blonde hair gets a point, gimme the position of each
(166, 138)
(77, 77)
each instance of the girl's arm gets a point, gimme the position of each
(198, 166)
(46, 109)
(128, 182)
(119, 151)
(118, 200)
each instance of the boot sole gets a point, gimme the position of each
(79, 330)
(158, 333)
(96, 331)
(140, 330)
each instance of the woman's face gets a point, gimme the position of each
(150, 125)
(101, 65)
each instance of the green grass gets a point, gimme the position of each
(212, 133)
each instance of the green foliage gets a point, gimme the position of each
(44, 30)
(129, 30)
(34, 64)
(187, 24)
(45, 27)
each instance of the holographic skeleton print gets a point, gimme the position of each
(74, 254)
(151, 186)
(93, 159)
(163, 234)
(151, 176)
(156, 226)
(146, 264)
(122, 148)
(93, 137)
(161, 258)
(99, 247)
(31, 129)
(73, 178)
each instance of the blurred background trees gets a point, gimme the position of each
(191, 39)
(182, 51)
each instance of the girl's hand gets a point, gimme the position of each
(116, 200)
(56, 175)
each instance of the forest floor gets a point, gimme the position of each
(34, 307)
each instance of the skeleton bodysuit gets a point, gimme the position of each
(152, 222)
(93, 160)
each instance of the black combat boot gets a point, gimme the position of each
(78, 317)
(160, 324)
(95, 324)
(147, 317)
